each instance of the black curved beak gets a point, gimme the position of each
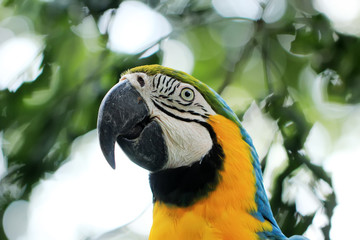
(124, 117)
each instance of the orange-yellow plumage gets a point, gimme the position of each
(226, 213)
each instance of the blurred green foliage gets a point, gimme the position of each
(42, 118)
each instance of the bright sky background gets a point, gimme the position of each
(86, 197)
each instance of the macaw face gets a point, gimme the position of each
(157, 120)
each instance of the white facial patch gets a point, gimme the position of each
(178, 108)
(187, 142)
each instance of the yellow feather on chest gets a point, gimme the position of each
(225, 213)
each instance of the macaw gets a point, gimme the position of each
(205, 174)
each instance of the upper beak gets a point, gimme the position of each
(124, 117)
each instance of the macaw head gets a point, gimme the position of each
(159, 118)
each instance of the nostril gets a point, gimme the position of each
(141, 81)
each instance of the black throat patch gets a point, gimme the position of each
(183, 186)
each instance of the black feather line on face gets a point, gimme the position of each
(156, 103)
(172, 80)
(174, 89)
(201, 106)
(168, 82)
(183, 104)
(158, 81)
(184, 186)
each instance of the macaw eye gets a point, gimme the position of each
(187, 94)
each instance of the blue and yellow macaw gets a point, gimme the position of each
(204, 171)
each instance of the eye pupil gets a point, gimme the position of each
(187, 94)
